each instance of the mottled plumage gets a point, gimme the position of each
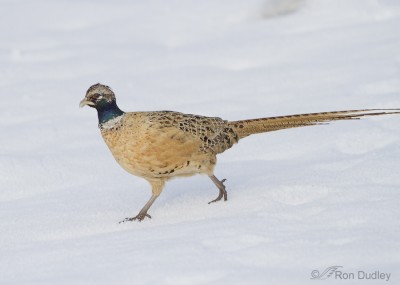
(158, 146)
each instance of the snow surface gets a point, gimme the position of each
(299, 200)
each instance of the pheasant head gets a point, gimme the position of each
(102, 98)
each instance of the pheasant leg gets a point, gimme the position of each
(143, 212)
(221, 187)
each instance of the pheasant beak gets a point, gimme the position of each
(85, 102)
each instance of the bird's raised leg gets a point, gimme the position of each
(156, 188)
(221, 188)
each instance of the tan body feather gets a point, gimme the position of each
(149, 146)
(158, 146)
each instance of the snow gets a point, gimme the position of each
(299, 200)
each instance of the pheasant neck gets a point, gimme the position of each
(108, 112)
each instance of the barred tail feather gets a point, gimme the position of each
(245, 128)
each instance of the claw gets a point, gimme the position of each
(215, 200)
(138, 218)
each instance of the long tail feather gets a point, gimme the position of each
(245, 128)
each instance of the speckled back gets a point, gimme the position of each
(215, 134)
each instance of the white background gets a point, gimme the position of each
(299, 200)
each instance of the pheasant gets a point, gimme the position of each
(161, 145)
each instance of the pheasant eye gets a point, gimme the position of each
(96, 97)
